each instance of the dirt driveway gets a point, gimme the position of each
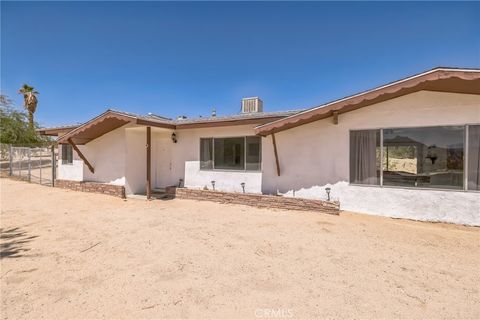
(67, 254)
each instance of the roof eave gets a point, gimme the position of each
(413, 84)
(104, 123)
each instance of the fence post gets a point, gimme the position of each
(10, 171)
(29, 165)
(41, 160)
(54, 166)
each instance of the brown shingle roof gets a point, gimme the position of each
(113, 119)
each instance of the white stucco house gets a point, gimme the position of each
(409, 149)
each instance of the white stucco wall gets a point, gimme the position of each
(136, 161)
(419, 204)
(73, 171)
(224, 180)
(106, 154)
(315, 155)
(186, 156)
(174, 161)
(119, 157)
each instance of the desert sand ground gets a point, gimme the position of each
(67, 254)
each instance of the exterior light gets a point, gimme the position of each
(243, 186)
(328, 193)
(174, 137)
(213, 185)
(432, 153)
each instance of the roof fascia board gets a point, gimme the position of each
(143, 122)
(87, 124)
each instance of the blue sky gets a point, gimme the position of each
(188, 57)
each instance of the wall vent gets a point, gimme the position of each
(250, 105)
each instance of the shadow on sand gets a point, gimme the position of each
(13, 242)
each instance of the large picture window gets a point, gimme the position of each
(252, 153)
(229, 153)
(473, 157)
(365, 157)
(238, 153)
(206, 153)
(424, 157)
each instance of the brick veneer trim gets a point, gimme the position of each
(93, 187)
(257, 200)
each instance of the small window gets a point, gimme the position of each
(67, 154)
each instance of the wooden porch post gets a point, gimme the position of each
(149, 162)
(276, 154)
(54, 166)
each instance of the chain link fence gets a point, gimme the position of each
(37, 164)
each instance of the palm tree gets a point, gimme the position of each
(29, 101)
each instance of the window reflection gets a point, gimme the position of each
(424, 157)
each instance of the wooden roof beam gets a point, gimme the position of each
(80, 154)
(335, 117)
(277, 162)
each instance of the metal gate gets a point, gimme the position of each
(37, 165)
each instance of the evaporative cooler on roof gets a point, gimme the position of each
(250, 105)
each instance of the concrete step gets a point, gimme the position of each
(161, 196)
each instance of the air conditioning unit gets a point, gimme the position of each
(250, 105)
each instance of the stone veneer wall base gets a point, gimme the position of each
(257, 200)
(93, 187)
